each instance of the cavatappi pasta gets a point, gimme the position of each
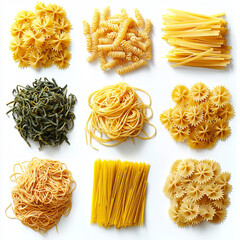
(119, 193)
(198, 40)
(118, 40)
(198, 191)
(200, 116)
(41, 38)
(118, 113)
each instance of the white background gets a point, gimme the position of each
(158, 79)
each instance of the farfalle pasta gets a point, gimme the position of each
(41, 38)
(200, 117)
(118, 40)
(198, 191)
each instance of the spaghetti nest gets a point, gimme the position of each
(117, 114)
(42, 194)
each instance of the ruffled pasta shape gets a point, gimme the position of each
(166, 119)
(196, 111)
(198, 191)
(194, 115)
(180, 95)
(207, 212)
(220, 96)
(189, 210)
(199, 92)
(203, 173)
(40, 36)
(179, 117)
(179, 134)
(204, 131)
(185, 168)
(221, 129)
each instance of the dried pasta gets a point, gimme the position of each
(197, 191)
(41, 38)
(42, 194)
(200, 117)
(119, 193)
(198, 40)
(118, 36)
(118, 113)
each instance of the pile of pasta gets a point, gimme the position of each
(118, 40)
(198, 40)
(118, 113)
(200, 116)
(119, 193)
(41, 38)
(42, 194)
(198, 192)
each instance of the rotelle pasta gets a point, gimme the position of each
(198, 191)
(41, 38)
(198, 40)
(118, 40)
(200, 116)
(118, 113)
(42, 194)
(119, 193)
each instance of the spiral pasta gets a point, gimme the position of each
(37, 34)
(198, 191)
(118, 113)
(196, 119)
(118, 37)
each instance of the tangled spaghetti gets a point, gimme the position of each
(43, 193)
(117, 114)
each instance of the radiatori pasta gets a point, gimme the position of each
(200, 116)
(118, 40)
(41, 38)
(198, 192)
(119, 193)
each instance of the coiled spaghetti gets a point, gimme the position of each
(117, 114)
(42, 194)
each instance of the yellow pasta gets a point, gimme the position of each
(197, 191)
(200, 117)
(36, 34)
(119, 193)
(198, 40)
(118, 113)
(118, 33)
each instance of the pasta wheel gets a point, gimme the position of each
(203, 173)
(207, 212)
(185, 168)
(166, 119)
(221, 129)
(179, 134)
(214, 191)
(195, 191)
(179, 117)
(225, 112)
(194, 115)
(189, 210)
(199, 92)
(220, 96)
(180, 95)
(204, 131)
